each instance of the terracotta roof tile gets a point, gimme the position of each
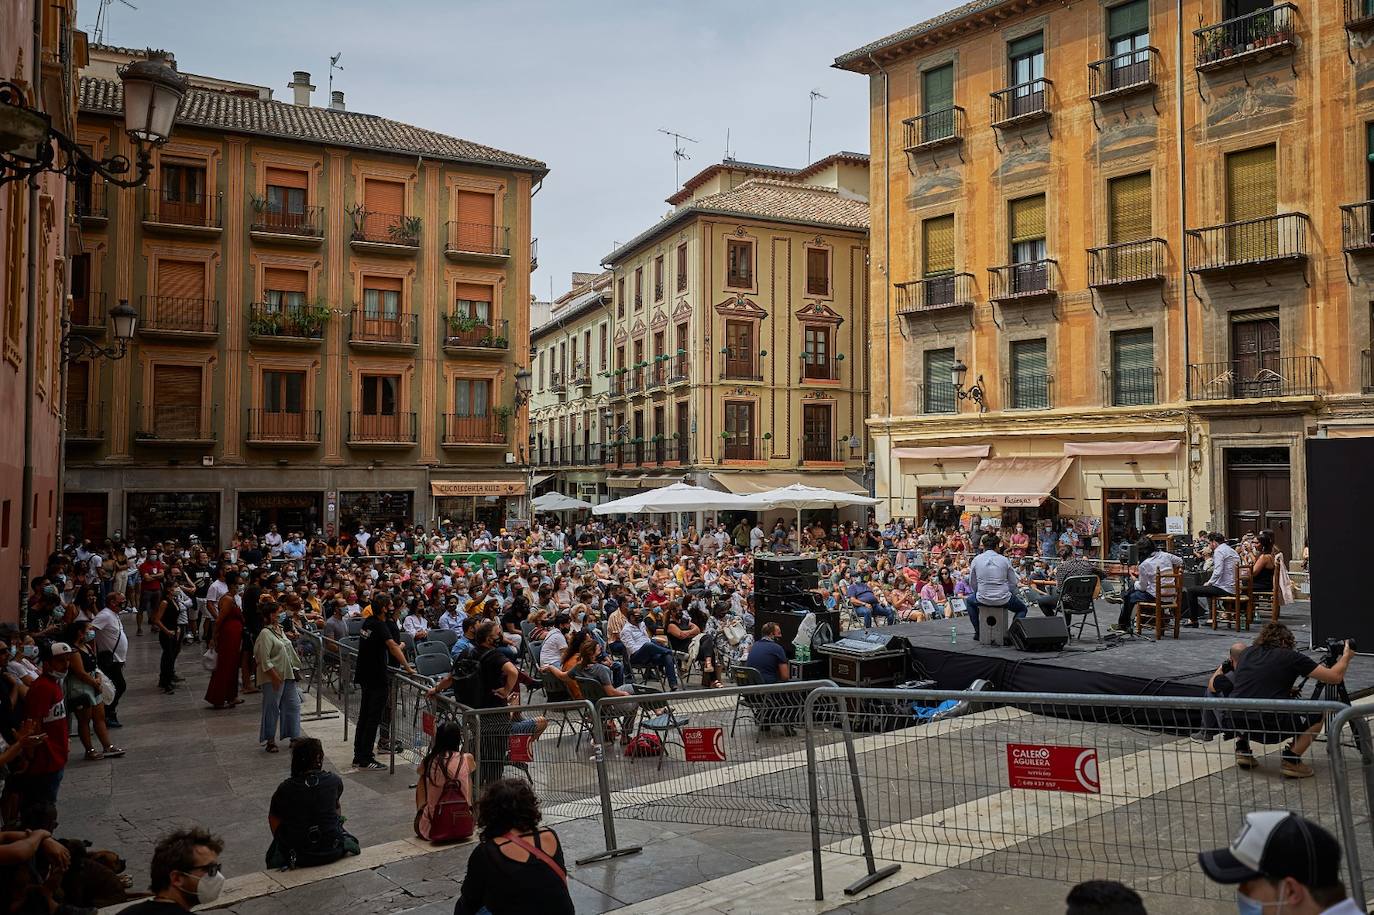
(858, 58)
(222, 111)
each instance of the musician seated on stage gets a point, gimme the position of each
(1152, 561)
(1068, 567)
(1269, 669)
(994, 581)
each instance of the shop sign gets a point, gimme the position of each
(1046, 767)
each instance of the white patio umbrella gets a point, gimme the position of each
(680, 497)
(557, 502)
(799, 496)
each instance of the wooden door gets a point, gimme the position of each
(183, 195)
(1259, 495)
(476, 223)
(82, 313)
(739, 422)
(818, 437)
(739, 356)
(1255, 357)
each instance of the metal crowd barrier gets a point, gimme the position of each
(1064, 787)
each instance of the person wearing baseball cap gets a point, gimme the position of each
(1281, 863)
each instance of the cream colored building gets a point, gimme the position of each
(728, 343)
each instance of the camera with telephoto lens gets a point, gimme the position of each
(1334, 649)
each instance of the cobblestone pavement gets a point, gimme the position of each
(189, 764)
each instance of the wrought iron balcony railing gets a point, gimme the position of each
(375, 328)
(85, 420)
(1030, 391)
(477, 238)
(1271, 30)
(172, 208)
(934, 129)
(174, 424)
(87, 314)
(1357, 225)
(377, 228)
(935, 293)
(1127, 262)
(178, 315)
(305, 222)
(1273, 376)
(1248, 242)
(302, 427)
(473, 430)
(381, 428)
(1023, 281)
(461, 331)
(1130, 387)
(268, 321)
(1122, 74)
(1028, 101)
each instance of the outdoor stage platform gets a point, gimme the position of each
(1110, 667)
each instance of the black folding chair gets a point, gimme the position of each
(1076, 599)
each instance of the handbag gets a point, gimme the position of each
(1285, 588)
(210, 658)
(107, 688)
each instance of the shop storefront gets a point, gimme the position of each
(289, 511)
(157, 516)
(467, 501)
(375, 509)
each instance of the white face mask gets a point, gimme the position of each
(1247, 906)
(209, 887)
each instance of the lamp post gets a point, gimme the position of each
(29, 144)
(957, 373)
(522, 398)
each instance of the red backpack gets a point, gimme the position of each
(644, 745)
(452, 818)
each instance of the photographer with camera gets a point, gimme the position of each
(1268, 669)
(1220, 686)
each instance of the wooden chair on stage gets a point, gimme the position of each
(1168, 604)
(1238, 608)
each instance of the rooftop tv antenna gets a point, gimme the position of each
(679, 153)
(102, 18)
(810, 121)
(334, 65)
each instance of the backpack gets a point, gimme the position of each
(644, 745)
(467, 683)
(452, 819)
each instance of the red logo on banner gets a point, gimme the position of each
(704, 744)
(521, 748)
(427, 723)
(1044, 767)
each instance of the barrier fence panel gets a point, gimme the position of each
(727, 757)
(1063, 787)
(1350, 748)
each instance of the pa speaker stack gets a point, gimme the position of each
(785, 574)
(784, 591)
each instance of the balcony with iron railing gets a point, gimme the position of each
(1028, 391)
(1022, 282)
(1123, 74)
(1262, 33)
(534, 254)
(280, 429)
(937, 397)
(87, 315)
(934, 129)
(474, 336)
(381, 430)
(1127, 263)
(581, 376)
(1264, 377)
(738, 364)
(613, 454)
(556, 383)
(658, 373)
(460, 430)
(473, 241)
(1130, 387)
(818, 449)
(681, 450)
(284, 225)
(1357, 226)
(85, 422)
(287, 325)
(817, 368)
(91, 201)
(374, 330)
(618, 384)
(677, 369)
(1022, 103)
(935, 293)
(174, 424)
(1359, 15)
(635, 381)
(384, 233)
(738, 448)
(174, 212)
(1261, 242)
(178, 316)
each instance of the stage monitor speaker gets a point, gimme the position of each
(1039, 633)
(1338, 507)
(783, 603)
(785, 566)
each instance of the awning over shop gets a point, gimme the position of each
(942, 452)
(1109, 449)
(648, 482)
(540, 478)
(631, 482)
(747, 483)
(477, 487)
(1012, 481)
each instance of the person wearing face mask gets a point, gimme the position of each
(46, 704)
(279, 670)
(185, 872)
(1281, 864)
(82, 687)
(169, 620)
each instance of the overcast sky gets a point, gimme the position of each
(583, 85)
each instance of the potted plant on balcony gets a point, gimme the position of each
(502, 412)
(313, 318)
(460, 323)
(356, 212)
(767, 436)
(405, 230)
(263, 323)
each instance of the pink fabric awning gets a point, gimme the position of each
(1100, 449)
(1012, 482)
(941, 452)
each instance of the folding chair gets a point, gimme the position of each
(662, 725)
(1076, 599)
(447, 636)
(433, 667)
(555, 690)
(429, 646)
(408, 643)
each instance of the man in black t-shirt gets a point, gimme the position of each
(1268, 669)
(379, 645)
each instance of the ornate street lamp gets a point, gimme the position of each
(29, 144)
(957, 373)
(522, 388)
(123, 321)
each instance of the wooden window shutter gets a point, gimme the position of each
(387, 197)
(1133, 350)
(473, 292)
(286, 177)
(181, 279)
(817, 271)
(281, 280)
(176, 400)
(1027, 219)
(384, 283)
(1251, 190)
(937, 245)
(1128, 19)
(1128, 208)
(78, 389)
(1028, 359)
(937, 88)
(476, 208)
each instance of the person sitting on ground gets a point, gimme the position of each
(517, 868)
(443, 794)
(1104, 897)
(185, 873)
(1268, 670)
(305, 818)
(1282, 862)
(24, 856)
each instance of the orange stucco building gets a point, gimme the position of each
(1137, 222)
